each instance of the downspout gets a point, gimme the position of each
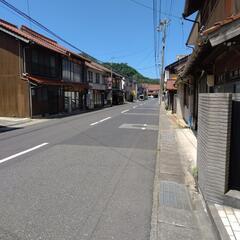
(30, 98)
(193, 21)
(29, 84)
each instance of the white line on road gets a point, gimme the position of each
(92, 124)
(23, 152)
(134, 106)
(95, 123)
(125, 111)
(105, 119)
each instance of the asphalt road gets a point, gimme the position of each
(87, 176)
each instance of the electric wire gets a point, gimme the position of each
(151, 8)
(23, 15)
(35, 22)
(28, 9)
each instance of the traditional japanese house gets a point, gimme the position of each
(37, 75)
(117, 89)
(213, 74)
(97, 84)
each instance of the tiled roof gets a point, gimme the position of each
(93, 66)
(38, 38)
(171, 84)
(100, 66)
(219, 24)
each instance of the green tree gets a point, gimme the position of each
(129, 72)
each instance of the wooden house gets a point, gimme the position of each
(37, 75)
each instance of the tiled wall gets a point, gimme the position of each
(214, 119)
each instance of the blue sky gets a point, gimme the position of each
(119, 30)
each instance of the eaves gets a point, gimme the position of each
(14, 35)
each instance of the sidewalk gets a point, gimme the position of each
(178, 210)
(8, 123)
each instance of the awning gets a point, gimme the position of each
(50, 82)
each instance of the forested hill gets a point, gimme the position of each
(130, 72)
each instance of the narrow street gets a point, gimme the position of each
(88, 176)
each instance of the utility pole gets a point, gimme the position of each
(162, 28)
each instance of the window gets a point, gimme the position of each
(71, 71)
(97, 78)
(66, 70)
(53, 66)
(43, 64)
(97, 98)
(76, 72)
(90, 76)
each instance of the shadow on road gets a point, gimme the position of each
(6, 129)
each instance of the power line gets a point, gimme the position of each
(153, 66)
(154, 9)
(130, 54)
(158, 32)
(28, 9)
(40, 25)
(141, 4)
(151, 8)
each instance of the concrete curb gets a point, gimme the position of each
(16, 123)
(156, 190)
(217, 222)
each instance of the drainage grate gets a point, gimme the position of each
(174, 195)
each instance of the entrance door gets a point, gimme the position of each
(234, 168)
(53, 100)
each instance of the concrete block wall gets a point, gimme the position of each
(213, 151)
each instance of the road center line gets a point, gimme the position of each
(125, 111)
(23, 152)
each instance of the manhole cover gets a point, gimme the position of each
(174, 195)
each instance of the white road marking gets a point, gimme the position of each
(92, 124)
(95, 123)
(23, 152)
(134, 106)
(139, 127)
(145, 125)
(125, 111)
(105, 119)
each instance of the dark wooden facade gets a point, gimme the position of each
(117, 90)
(38, 77)
(14, 91)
